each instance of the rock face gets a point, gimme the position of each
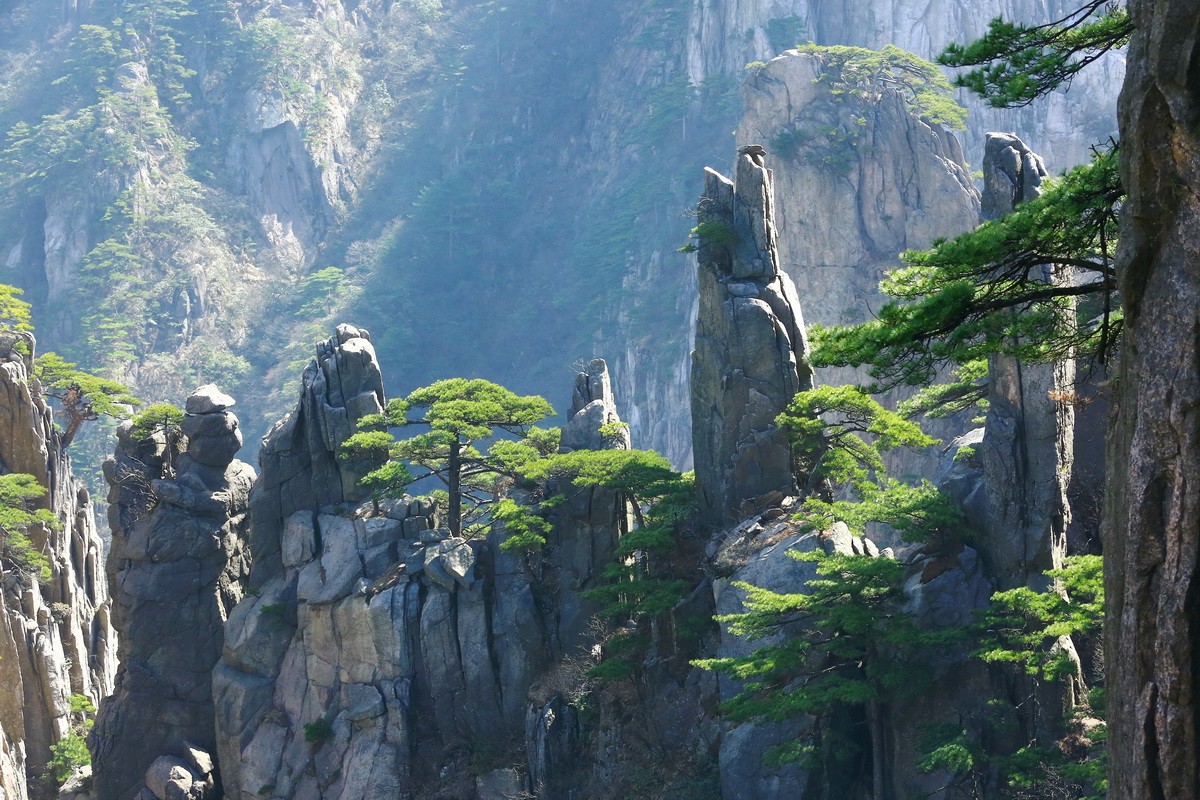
(55, 637)
(943, 589)
(724, 36)
(589, 522)
(1028, 439)
(1012, 174)
(751, 352)
(381, 655)
(178, 564)
(1152, 504)
(757, 554)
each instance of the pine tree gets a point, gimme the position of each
(461, 416)
(1014, 64)
(854, 647)
(985, 292)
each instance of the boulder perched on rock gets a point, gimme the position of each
(188, 776)
(177, 567)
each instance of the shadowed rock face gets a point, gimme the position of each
(178, 563)
(1152, 497)
(751, 354)
(55, 637)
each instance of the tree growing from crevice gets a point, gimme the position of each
(460, 448)
(82, 397)
(639, 582)
(1014, 64)
(1023, 627)
(19, 494)
(986, 292)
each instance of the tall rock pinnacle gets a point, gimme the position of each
(751, 353)
(299, 458)
(178, 563)
(1027, 451)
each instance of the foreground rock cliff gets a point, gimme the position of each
(56, 639)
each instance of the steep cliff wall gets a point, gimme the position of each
(721, 37)
(849, 202)
(725, 36)
(55, 635)
(404, 145)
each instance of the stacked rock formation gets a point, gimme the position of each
(55, 636)
(751, 353)
(178, 563)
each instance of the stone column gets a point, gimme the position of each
(751, 353)
(178, 563)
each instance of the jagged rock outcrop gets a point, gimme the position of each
(177, 567)
(756, 552)
(589, 522)
(943, 589)
(299, 458)
(751, 352)
(382, 655)
(1028, 439)
(55, 636)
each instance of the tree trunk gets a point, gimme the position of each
(878, 751)
(1152, 506)
(455, 481)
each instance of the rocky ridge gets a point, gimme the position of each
(380, 647)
